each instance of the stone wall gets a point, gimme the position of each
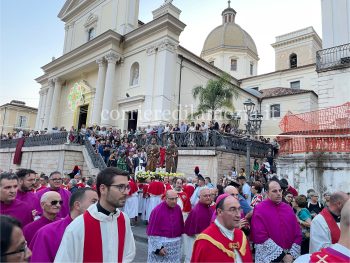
(322, 171)
(46, 159)
(212, 163)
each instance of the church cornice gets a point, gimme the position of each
(68, 10)
(165, 22)
(108, 37)
(226, 48)
(297, 39)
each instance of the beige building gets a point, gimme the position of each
(116, 71)
(17, 116)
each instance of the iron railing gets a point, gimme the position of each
(184, 140)
(333, 58)
(211, 139)
(95, 157)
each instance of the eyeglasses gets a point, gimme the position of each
(20, 250)
(55, 202)
(172, 198)
(234, 210)
(56, 179)
(121, 187)
(235, 195)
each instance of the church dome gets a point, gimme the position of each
(229, 35)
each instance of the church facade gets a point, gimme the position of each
(116, 71)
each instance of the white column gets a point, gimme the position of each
(147, 114)
(55, 103)
(112, 58)
(37, 121)
(48, 104)
(100, 87)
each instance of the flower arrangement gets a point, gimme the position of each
(144, 175)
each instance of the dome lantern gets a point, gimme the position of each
(228, 15)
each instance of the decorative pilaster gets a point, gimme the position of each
(37, 121)
(55, 103)
(100, 87)
(48, 103)
(112, 58)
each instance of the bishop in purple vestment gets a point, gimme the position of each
(47, 240)
(26, 180)
(275, 229)
(55, 181)
(198, 220)
(51, 205)
(8, 203)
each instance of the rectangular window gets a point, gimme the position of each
(22, 122)
(233, 64)
(251, 69)
(275, 111)
(295, 85)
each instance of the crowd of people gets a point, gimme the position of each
(48, 219)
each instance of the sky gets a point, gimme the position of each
(31, 33)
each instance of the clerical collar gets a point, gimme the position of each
(226, 232)
(336, 218)
(104, 211)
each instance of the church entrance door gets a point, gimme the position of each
(132, 120)
(83, 111)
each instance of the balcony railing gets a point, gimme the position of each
(333, 58)
(184, 140)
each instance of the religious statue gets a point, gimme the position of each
(135, 76)
(171, 157)
(153, 153)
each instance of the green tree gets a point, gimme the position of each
(216, 95)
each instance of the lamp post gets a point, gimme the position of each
(252, 127)
(235, 121)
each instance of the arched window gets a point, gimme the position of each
(91, 33)
(293, 61)
(233, 64)
(134, 74)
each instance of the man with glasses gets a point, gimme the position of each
(198, 220)
(55, 181)
(275, 229)
(164, 231)
(13, 245)
(103, 232)
(51, 204)
(223, 241)
(46, 241)
(9, 205)
(26, 183)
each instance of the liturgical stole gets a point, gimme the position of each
(93, 238)
(334, 228)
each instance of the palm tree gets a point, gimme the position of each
(216, 95)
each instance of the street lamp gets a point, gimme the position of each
(253, 125)
(235, 121)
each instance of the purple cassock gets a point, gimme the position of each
(65, 195)
(29, 198)
(166, 221)
(276, 222)
(47, 240)
(30, 230)
(18, 210)
(198, 219)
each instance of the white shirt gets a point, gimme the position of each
(72, 245)
(337, 247)
(320, 234)
(246, 191)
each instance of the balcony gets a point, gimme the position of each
(333, 58)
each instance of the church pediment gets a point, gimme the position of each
(72, 7)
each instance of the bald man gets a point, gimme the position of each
(339, 252)
(324, 229)
(198, 220)
(46, 241)
(164, 230)
(50, 203)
